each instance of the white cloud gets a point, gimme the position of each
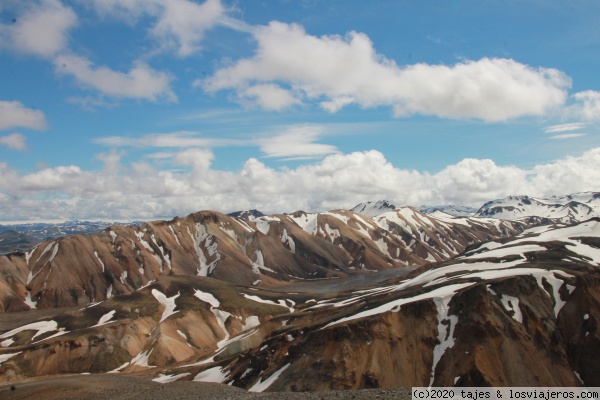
(181, 139)
(269, 96)
(479, 181)
(568, 175)
(180, 24)
(586, 105)
(565, 127)
(567, 136)
(13, 114)
(297, 142)
(336, 71)
(139, 190)
(41, 30)
(141, 82)
(14, 141)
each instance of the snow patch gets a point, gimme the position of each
(214, 374)
(511, 303)
(4, 357)
(174, 235)
(286, 239)
(261, 385)
(141, 359)
(99, 260)
(170, 378)
(167, 302)
(123, 277)
(259, 263)
(105, 318)
(41, 327)
(207, 298)
(446, 325)
(32, 304)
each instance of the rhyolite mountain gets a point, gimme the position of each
(269, 250)
(303, 301)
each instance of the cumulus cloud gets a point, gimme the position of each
(140, 190)
(14, 141)
(269, 96)
(140, 82)
(180, 24)
(14, 114)
(337, 71)
(41, 30)
(568, 175)
(586, 105)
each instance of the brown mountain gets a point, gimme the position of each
(79, 269)
(519, 311)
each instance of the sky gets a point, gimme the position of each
(150, 109)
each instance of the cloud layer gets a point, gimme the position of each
(291, 66)
(138, 190)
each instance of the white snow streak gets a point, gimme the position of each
(261, 385)
(105, 318)
(167, 302)
(170, 378)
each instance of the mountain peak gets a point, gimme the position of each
(372, 209)
(246, 214)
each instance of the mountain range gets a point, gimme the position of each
(316, 301)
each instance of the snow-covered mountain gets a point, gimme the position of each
(457, 211)
(43, 230)
(373, 209)
(566, 209)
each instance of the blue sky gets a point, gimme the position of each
(148, 109)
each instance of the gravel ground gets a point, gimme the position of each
(115, 387)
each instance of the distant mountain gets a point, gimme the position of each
(565, 209)
(11, 241)
(457, 211)
(43, 231)
(246, 214)
(373, 209)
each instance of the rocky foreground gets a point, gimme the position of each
(114, 387)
